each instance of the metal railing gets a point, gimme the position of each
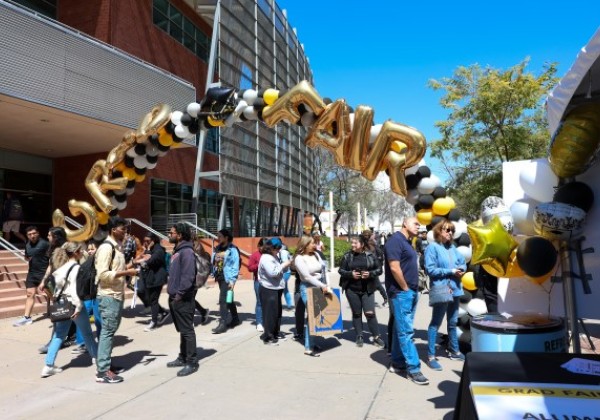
(148, 228)
(12, 249)
(212, 236)
(73, 222)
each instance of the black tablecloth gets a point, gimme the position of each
(515, 367)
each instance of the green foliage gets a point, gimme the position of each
(495, 116)
(341, 246)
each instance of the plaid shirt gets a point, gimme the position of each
(129, 248)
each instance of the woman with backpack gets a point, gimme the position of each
(65, 276)
(154, 275)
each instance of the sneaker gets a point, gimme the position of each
(418, 378)
(176, 363)
(234, 323)
(117, 369)
(298, 337)
(43, 349)
(396, 368)
(260, 328)
(456, 356)
(273, 342)
(281, 337)
(204, 317)
(151, 327)
(359, 341)
(163, 317)
(434, 364)
(80, 349)
(50, 370)
(108, 377)
(378, 342)
(25, 320)
(146, 312)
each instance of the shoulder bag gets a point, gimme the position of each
(61, 309)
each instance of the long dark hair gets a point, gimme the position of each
(59, 237)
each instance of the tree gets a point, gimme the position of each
(495, 116)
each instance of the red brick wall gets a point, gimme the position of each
(127, 25)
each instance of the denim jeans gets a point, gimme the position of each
(289, 299)
(61, 329)
(404, 351)
(258, 307)
(91, 308)
(308, 339)
(449, 309)
(111, 310)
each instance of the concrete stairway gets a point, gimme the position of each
(13, 273)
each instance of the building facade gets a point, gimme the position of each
(77, 75)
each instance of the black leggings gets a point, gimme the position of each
(153, 294)
(363, 302)
(270, 301)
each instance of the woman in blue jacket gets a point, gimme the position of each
(445, 265)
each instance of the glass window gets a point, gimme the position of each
(162, 6)
(175, 31)
(45, 7)
(189, 27)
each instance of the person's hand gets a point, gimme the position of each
(177, 298)
(40, 288)
(231, 285)
(75, 315)
(365, 274)
(356, 274)
(458, 272)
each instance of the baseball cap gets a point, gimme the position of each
(275, 242)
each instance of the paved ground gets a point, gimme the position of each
(239, 377)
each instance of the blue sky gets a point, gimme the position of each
(382, 53)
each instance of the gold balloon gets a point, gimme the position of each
(492, 245)
(130, 174)
(576, 141)
(214, 122)
(322, 132)
(442, 206)
(78, 208)
(156, 119)
(286, 107)
(468, 281)
(164, 138)
(270, 96)
(140, 178)
(98, 182)
(424, 216)
(117, 154)
(102, 217)
(512, 269)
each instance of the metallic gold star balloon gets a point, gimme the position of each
(512, 269)
(492, 245)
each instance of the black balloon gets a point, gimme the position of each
(140, 149)
(439, 192)
(412, 181)
(128, 161)
(576, 194)
(464, 240)
(417, 207)
(454, 215)
(140, 171)
(121, 198)
(131, 183)
(536, 256)
(424, 172)
(153, 139)
(186, 119)
(437, 219)
(194, 127)
(464, 322)
(170, 128)
(426, 201)
(466, 298)
(152, 159)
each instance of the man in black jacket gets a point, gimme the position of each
(182, 297)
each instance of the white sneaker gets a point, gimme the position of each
(259, 328)
(50, 370)
(151, 327)
(25, 320)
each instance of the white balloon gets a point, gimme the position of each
(114, 201)
(466, 252)
(193, 108)
(131, 152)
(151, 165)
(151, 150)
(140, 161)
(121, 206)
(538, 180)
(427, 185)
(176, 117)
(558, 221)
(462, 311)
(459, 332)
(182, 131)
(460, 228)
(476, 307)
(250, 113)
(522, 213)
(250, 96)
(412, 170)
(129, 191)
(430, 236)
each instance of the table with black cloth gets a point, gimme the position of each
(516, 367)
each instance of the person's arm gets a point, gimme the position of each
(344, 271)
(432, 264)
(187, 274)
(272, 267)
(72, 290)
(232, 272)
(103, 264)
(156, 259)
(461, 264)
(398, 274)
(376, 269)
(42, 285)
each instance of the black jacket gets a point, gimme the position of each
(373, 267)
(155, 273)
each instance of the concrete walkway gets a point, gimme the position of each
(239, 377)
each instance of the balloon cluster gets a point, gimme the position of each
(349, 134)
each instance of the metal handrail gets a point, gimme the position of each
(213, 236)
(148, 228)
(12, 249)
(73, 222)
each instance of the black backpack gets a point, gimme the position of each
(86, 277)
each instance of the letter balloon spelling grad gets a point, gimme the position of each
(355, 143)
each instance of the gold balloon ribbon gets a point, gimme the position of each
(492, 246)
(395, 148)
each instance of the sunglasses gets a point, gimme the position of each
(450, 230)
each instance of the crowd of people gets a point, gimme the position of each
(93, 277)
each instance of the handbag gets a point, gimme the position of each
(440, 293)
(61, 309)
